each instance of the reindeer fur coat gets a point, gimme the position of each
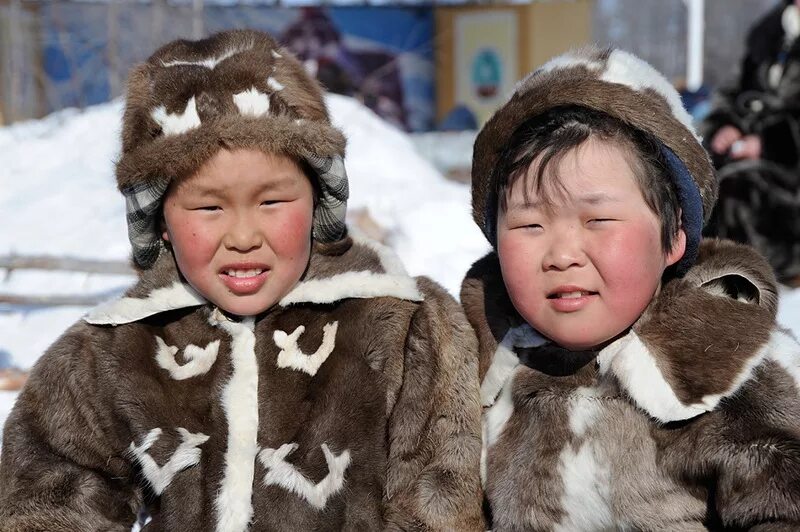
(350, 405)
(691, 421)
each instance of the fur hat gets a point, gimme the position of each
(624, 87)
(235, 89)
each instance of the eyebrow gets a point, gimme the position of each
(273, 184)
(592, 199)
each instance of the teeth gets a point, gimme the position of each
(570, 295)
(243, 273)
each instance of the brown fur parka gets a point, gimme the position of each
(351, 405)
(691, 421)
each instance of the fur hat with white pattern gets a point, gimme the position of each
(618, 84)
(235, 89)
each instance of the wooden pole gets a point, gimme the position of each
(46, 262)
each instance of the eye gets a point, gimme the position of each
(530, 227)
(208, 208)
(271, 202)
(601, 220)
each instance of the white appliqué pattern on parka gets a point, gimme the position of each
(291, 356)
(199, 359)
(282, 473)
(186, 455)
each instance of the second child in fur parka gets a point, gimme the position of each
(633, 376)
(256, 377)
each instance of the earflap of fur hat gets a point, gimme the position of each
(236, 89)
(620, 85)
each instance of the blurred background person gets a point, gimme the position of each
(753, 135)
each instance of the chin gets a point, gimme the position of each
(245, 308)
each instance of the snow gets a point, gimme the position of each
(57, 192)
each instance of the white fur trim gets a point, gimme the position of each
(360, 285)
(251, 102)
(283, 474)
(199, 359)
(210, 62)
(240, 401)
(274, 84)
(505, 360)
(585, 472)
(275, 54)
(785, 350)
(291, 356)
(626, 69)
(494, 420)
(177, 123)
(130, 309)
(634, 366)
(570, 60)
(186, 455)
(389, 260)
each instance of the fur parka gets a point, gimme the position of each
(690, 421)
(353, 404)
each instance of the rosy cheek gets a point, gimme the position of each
(294, 236)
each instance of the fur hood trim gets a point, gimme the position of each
(697, 342)
(350, 268)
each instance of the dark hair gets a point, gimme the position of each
(553, 134)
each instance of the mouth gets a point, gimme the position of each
(570, 293)
(244, 274)
(244, 279)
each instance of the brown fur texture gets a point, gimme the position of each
(577, 452)
(297, 124)
(645, 110)
(398, 392)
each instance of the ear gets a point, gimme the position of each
(163, 226)
(678, 247)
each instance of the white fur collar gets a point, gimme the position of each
(129, 309)
(349, 284)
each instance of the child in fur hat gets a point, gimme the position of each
(267, 371)
(632, 375)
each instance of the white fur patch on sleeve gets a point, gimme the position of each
(626, 69)
(177, 123)
(291, 356)
(200, 359)
(186, 455)
(359, 285)
(130, 309)
(282, 473)
(252, 102)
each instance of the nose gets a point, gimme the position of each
(243, 234)
(564, 251)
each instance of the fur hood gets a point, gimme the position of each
(235, 89)
(624, 87)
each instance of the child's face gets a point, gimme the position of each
(240, 229)
(584, 270)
